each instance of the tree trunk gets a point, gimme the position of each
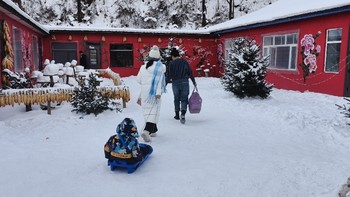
(19, 2)
(79, 12)
(231, 7)
(204, 11)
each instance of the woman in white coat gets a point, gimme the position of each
(151, 77)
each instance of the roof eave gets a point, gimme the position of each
(131, 32)
(9, 9)
(285, 20)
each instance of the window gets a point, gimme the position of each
(121, 55)
(64, 52)
(333, 50)
(35, 53)
(17, 49)
(228, 46)
(282, 50)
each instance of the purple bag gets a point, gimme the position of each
(195, 102)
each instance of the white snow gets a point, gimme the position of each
(291, 144)
(25, 15)
(51, 69)
(279, 10)
(103, 28)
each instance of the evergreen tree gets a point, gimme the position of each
(345, 109)
(166, 53)
(88, 99)
(165, 14)
(245, 72)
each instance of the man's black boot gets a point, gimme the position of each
(177, 117)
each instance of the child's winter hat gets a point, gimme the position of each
(154, 52)
(128, 127)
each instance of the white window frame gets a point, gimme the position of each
(326, 48)
(268, 48)
(227, 46)
(35, 50)
(17, 49)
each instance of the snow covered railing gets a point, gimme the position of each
(110, 74)
(55, 94)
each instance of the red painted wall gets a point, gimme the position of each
(319, 81)
(27, 34)
(196, 47)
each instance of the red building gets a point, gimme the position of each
(298, 33)
(21, 39)
(124, 50)
(292, 33)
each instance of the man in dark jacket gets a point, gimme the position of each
(83, 60)
(179, 73)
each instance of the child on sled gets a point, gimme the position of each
(124, 146)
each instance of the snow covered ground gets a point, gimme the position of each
(291, 144)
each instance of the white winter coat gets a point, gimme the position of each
(144, 78)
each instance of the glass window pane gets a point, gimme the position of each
(279, 40)
(93, 57)
(64, 52)
(64, 46)
(333, 56)
(265, 52)
(268, 40)
(295, 38)
(291, 39)
(121, 46)
(35, 53)
(282, 57)
(293, 58)
(121, 55)
(17, 49)
(273, 57)
(334, 35)
(282, 52)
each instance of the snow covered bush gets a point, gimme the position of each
(87, 99)
(345, 109)
(245, 72)
(13, 80)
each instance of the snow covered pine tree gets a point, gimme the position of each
(88, 99)
(166, 54)
(244, 75)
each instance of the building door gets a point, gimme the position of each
(347, 73)
(94, 55)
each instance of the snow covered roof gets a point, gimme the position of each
(94, 28)
(12, 10)
(278, 12)
(282, 11)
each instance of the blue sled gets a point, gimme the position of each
(131, 167)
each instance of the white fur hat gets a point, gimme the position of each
(154, 52)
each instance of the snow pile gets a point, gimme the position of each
(290, 144)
